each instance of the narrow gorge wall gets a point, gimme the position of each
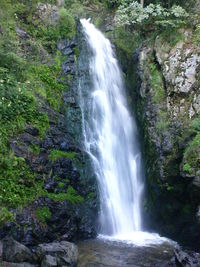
(164, 88)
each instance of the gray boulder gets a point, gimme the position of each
(49, 261)
(13, 251)
(61, 253)
(11, 264)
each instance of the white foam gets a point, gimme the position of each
(140, 238)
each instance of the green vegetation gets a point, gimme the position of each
(30, 71)
(150, 17)
(43, 214)
(35, 149)
(191, 157)
(61, 184)
(70, 196)
(6, 216)
(56, 154)
(47, 85)
(158, 94)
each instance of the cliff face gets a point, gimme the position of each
(48, 190)
(163, 82)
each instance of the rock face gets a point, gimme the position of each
(186, 258)
(67, 206)
(163, 82)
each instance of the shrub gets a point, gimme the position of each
(150, 17)
(43, 214)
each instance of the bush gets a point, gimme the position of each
(43, 214)
(150, 17)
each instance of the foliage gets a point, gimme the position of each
(56, 154)
(35, 149)
(70, 196)
(191, 157)
(61, 184)
(51, 33)
(6, 216)
(187, 168)
(148, 18)
(18, 185)
(48, 85)
(158, 93)
(197, 34)
(18, 106)
(126, 40)
(43, 214)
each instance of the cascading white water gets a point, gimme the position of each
(110, 139)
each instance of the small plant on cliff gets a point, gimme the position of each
(43, 214)
(6, 216)
(57, 154)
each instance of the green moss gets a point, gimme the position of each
(187, 168)
(61, 184)
(43, 214)
(6, 216)
(158, 94)
(191, 157)
(56, 154)
(125, 40)
(35, 149)
(163, 122)
(172, 36)
(70, 196)
(18, 185)
(47, 84)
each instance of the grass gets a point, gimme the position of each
(191, 157)
(71, 196)
(158, 94)
(57, 154)
(43, 214)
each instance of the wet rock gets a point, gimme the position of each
(32, 130)
(23, 264)
(1, 250)
(187, 258)
(67, 51)
(62, 44)
(49, 261)
(21, 33)
(13, 251)
(64, 253)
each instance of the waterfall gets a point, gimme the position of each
(110, 138)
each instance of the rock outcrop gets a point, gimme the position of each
(163, 85)
(168, 108)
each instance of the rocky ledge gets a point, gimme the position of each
(14, 254)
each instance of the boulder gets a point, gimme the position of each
(60, 253)
(49, 261)
(13, 251)
(186, 258)
(23, 264)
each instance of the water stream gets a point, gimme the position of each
(110, 138)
